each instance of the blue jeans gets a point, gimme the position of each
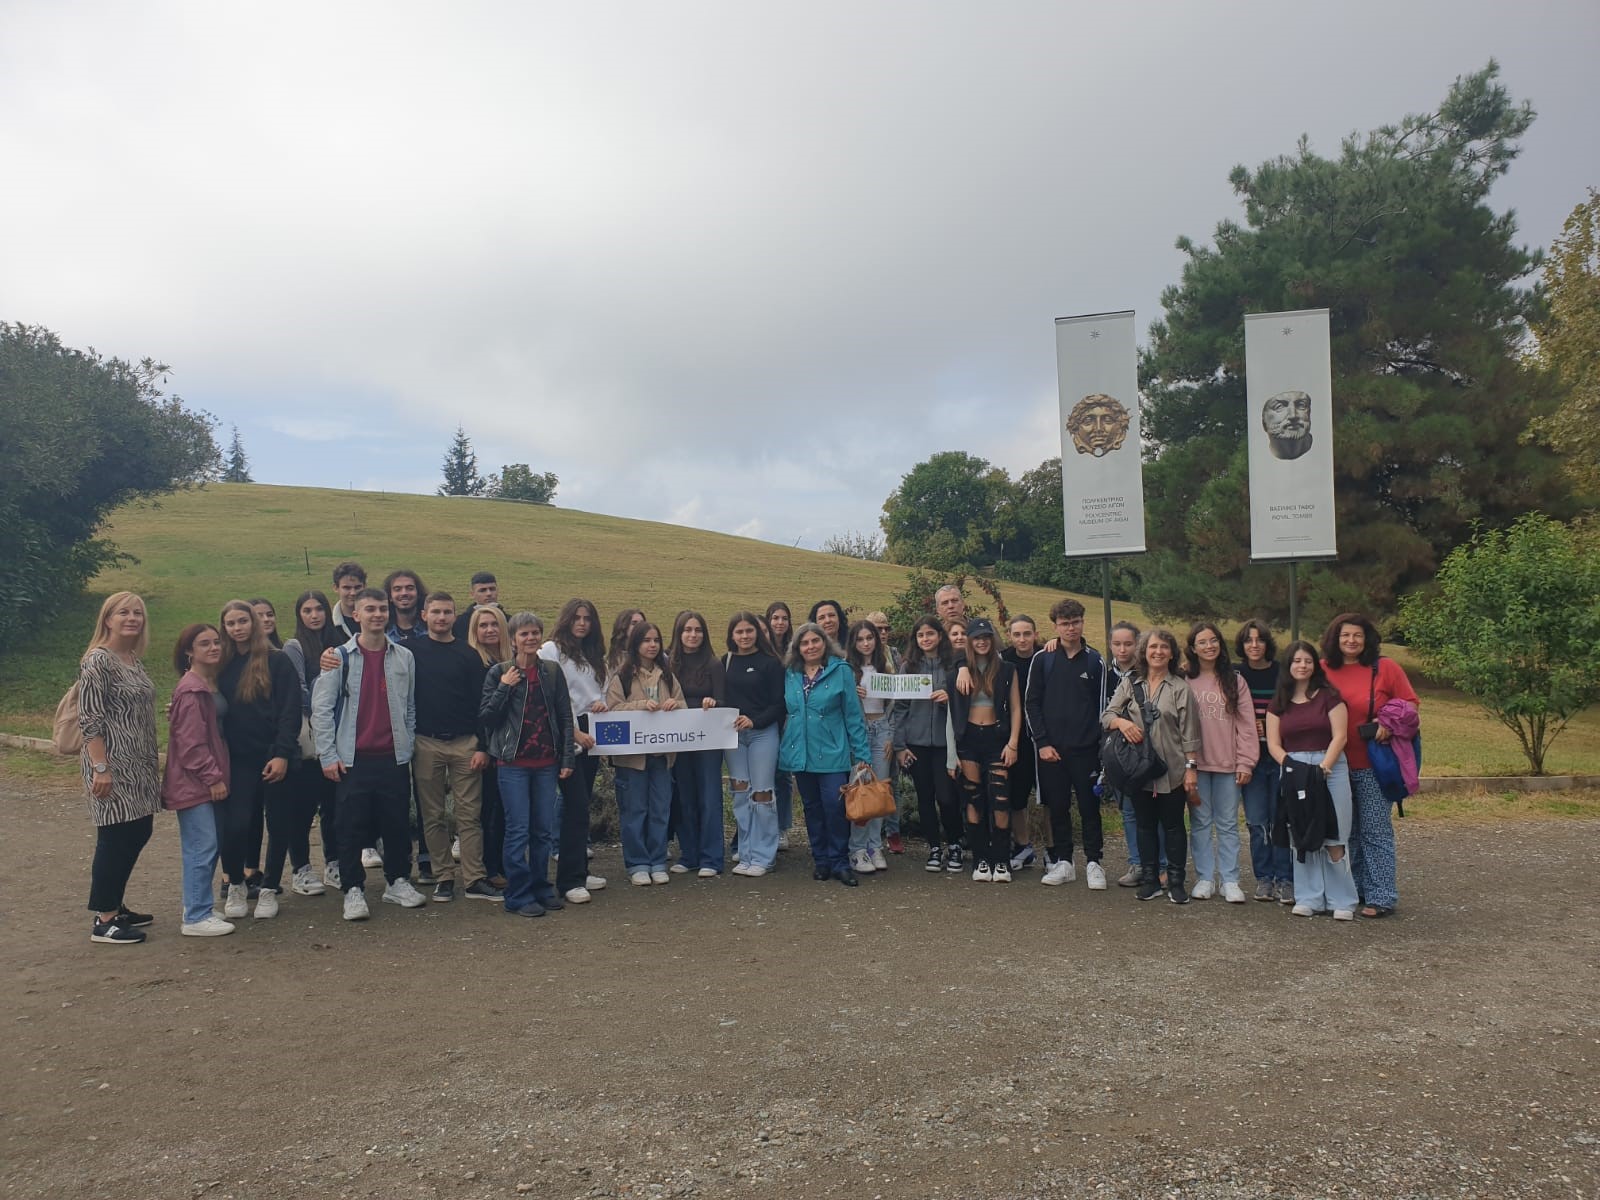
(1273, 864)
(1320, 882)
(197, 835)
(699, 777)
(869, 837)
(753, 764)
(826, 823)
(528, 796)
(1218, 814)
(644, 802)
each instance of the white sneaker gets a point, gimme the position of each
(455, 849)
(982, 873)
(212, 926)
(709, 873)
(238, 902)
(371, 859)
(355, 905)
(783, 841)
(1303, 910)
(879, 861)
(737, 857)
(595, 883)
(402, 892)
(1071, 871)
(739, 868)
(1096, 876)
(753, 871)
(330, 877)
(1058, 873)
(1203, 890)
(861, 863)
(678, 868)
(1344, 914)
(661, 876)
(1002, 872)
(266, 905)
(578, 895)
(1233, 893)
(640, 879)
(306, 883)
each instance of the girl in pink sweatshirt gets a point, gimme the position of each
(1228, 753)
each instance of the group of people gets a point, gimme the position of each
(401, 719)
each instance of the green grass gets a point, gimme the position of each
(199, 549)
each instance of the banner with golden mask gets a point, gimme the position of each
(1102, 471)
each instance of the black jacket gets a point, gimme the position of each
(1065, 699)
(1305, 816)
(268, 726)
(961, 705)
(500, 713)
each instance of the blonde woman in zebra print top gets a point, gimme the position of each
(121, 768)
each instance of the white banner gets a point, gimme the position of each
(1289, 433)
(899, 687)
(1102, 475)
(638, 732)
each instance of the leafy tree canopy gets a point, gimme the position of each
(1515, 624)
(1569, 343)
(952, 509)
(83, 434)
(1396, 239)
(515, 481)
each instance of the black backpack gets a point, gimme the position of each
(1131, 767)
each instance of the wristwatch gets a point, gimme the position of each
(100, 768)
(1191, 765)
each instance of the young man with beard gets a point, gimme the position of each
(405, 590)
(450, 752)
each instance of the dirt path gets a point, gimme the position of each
(922, 1036)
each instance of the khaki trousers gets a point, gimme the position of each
(438, 763)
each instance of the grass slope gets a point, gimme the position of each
(199, 549)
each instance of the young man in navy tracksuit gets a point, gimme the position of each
(1065, 695)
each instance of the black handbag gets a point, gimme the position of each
(1132, 766)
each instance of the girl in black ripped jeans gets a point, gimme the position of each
(988, 727)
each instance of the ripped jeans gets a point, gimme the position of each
(752, 769)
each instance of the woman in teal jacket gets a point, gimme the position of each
(824, 735)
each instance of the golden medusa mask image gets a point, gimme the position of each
(1098, 425)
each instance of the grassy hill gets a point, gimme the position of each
(199, 549)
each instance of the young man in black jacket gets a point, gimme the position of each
(1065, 695)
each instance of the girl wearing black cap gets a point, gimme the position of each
(988, 729)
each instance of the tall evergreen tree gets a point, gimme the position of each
(238, 468)
(1569, 343)
(461, 476)
(1396, 238)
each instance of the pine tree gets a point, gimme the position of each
(1421, 277)
(461, 476)
(238, 466)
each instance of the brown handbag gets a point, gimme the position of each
(866, 797)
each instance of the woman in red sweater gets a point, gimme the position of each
(1367, 681)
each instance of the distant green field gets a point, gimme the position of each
(199, 549)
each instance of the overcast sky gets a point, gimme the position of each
(734, 265)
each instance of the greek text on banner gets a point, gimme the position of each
(899, 687)
(636, 731)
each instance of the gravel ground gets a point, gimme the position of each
(921, 1036)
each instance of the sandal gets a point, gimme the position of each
(1374, 911)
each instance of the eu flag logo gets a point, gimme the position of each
(611, 733)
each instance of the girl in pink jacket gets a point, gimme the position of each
(196, 775)
(1228, 753)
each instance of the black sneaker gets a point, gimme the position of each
(133, 920)
(1149, 888)
(425, 877)
(114, 933)
(1175, 891)
(483, 890)
(935, 858)
(552, 903)
(445, 891)
(952, 859)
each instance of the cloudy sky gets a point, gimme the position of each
(734, 265)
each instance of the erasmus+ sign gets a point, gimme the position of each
(638, 732)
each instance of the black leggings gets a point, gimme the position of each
(247, 797)
(289, 812)
(936, 795)
(116, 850)
(1162, 814)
